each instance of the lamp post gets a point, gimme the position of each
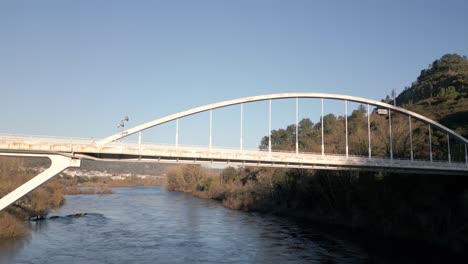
(121, 125)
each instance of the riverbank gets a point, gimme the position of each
(49, 196)
(103, 185)
(424, 209)
(37, 203)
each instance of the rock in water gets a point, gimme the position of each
(77, 214)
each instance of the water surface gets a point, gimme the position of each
(151, 225)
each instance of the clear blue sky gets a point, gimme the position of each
(75, 68)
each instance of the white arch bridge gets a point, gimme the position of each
(65, 153)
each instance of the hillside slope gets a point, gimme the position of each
(441, 93)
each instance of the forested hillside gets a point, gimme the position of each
(441, 93)
(444, 79)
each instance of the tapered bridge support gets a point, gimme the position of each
(58, 164)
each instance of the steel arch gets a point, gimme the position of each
(250, 99)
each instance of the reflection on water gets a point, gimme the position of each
(38, 226)
(150, 225)
(9, 248)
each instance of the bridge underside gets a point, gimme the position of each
(316, 162)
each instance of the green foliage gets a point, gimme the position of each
(188, 178)
(448, 93)
(229, 174)
(359, 114)
(329, 122)
(284, 139)
(441, 93)
(447, 73)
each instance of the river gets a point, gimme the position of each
(151, 225)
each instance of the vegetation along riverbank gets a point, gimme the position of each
(429, 209)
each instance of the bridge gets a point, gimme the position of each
(68, 152)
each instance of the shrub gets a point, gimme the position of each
(11, 226)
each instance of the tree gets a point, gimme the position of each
(329, 122)
(306, 127)
(281, 139)
(394, 96)
(451, 93)
(387, 99)
(229, 174)
(359, 113)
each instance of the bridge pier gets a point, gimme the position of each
(58, 164)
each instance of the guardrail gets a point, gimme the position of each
(215, 149)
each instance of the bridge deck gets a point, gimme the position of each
(88, 149)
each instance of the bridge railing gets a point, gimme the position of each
(48, 139)
(194, 148)
(316, 155)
